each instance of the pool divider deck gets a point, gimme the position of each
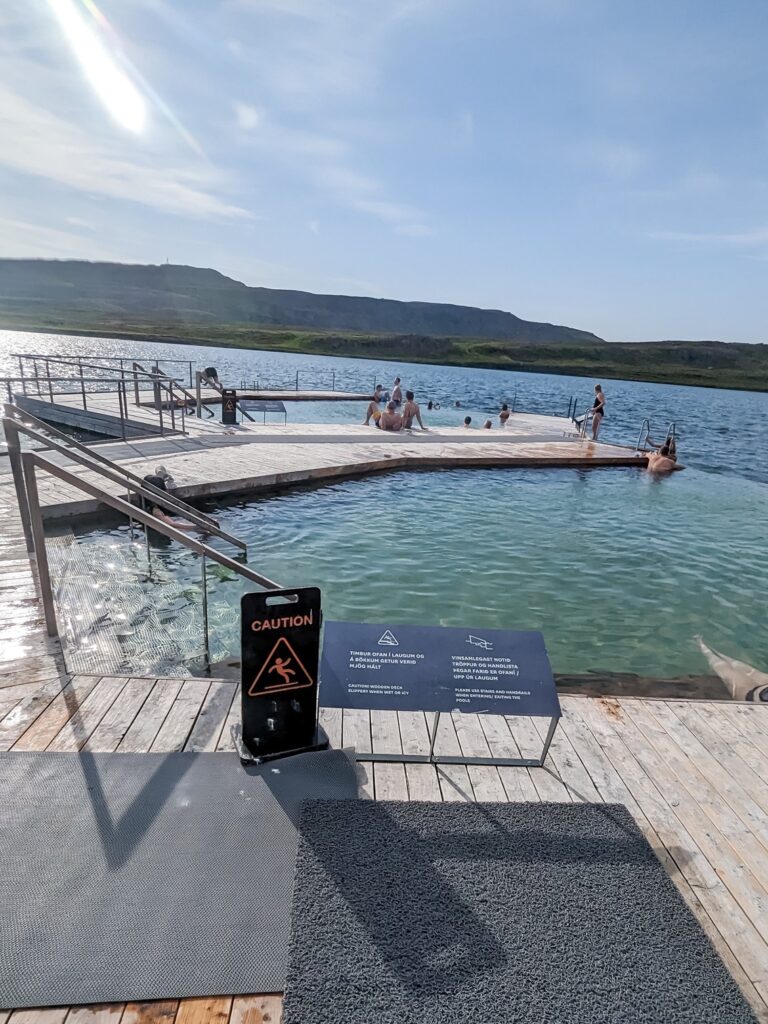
(690, 772)
(253, 458)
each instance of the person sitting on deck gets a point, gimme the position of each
(391, 419)
(373, 408)
(504, 415)
(411, 412)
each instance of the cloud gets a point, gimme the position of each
(52, 147)
(248, 117)
(755, 236)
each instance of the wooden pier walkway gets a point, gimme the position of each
(691, 773)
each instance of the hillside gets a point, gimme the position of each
(182, 296)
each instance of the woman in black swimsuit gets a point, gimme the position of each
(598, 411)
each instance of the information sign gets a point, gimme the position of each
(439, 669)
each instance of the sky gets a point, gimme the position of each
(596, 163)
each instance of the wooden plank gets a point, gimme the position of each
(612, 789)
(389, 779)
(204, 1011)
(746, 849)
(233, 721)
(118, 719)
(571, 771)
(159, 1012)
(213, 715)
(178, 724)
(455, 784)
(516, 781)
(485, 780)
(423, 783)
(81, 724)
(356, 732)
(257, 1009)
(330, 720)
(145, 727)
(97, 1013)
(46, 1015)
(37, 721)
(684, 829)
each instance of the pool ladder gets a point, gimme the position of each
(645, 430)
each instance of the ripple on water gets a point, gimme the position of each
(620, 572)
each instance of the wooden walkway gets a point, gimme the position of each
(691, 773)
(256, 458)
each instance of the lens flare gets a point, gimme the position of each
(113, 87)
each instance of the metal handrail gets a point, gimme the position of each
(644, 426)
(138, 368)
(32, 462)
(112, 471)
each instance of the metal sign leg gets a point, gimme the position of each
(551, 732)
(433, 736)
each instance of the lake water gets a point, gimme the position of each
(620, 571)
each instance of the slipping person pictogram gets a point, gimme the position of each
(282, 670)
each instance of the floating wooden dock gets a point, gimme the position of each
(691, 773)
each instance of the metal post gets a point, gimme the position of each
(21, 374)
(548, 740)
(135, 385)
(433, 736)
(206, 641)
(82, 388)
(297, 380)
(14, 456)
(50, 384)
(38, 536)
(37, 377)
(123, 403)
(173, 407)
(189, 364)
(333, 381)
(198, 395)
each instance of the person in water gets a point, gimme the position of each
(467, 421)
(665, 459)
(391, 418)
(411, 412)
(397, 393)
(598, 411)
(487, 425)
(160, 513)
(504, 415)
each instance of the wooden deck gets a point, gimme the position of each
(691, 773)
(253, 458)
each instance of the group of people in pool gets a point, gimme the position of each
(398, 415)
(662, 460)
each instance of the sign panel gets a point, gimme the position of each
(436, 668)
(280, 632)
(262, 405)
(228, 406)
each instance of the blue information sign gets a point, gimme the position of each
(436, 668)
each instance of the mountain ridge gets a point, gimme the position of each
(185, 294)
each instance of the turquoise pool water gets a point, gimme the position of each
(621, 572)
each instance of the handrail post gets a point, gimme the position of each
(297, 380)
(14, 456)
(206, 637)
(50, 382)
(38, 536)
(135, 385)
(21, 374)
(37, 378)
(198, 395)
(173, 407)
(123, 403)
(82, 389)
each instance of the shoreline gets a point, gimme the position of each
(262, 345)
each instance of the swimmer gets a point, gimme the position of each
(487, 425)
(467, 421)
(665, 459)
(504, 415)
(159, 513)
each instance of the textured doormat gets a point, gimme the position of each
(421, 913)
(127, 877)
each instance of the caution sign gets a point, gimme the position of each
(280, 655)
(228, 405)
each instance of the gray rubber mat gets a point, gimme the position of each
(420, 913)
(147, 876)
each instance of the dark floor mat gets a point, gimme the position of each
(147, 876)
(421, 913)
